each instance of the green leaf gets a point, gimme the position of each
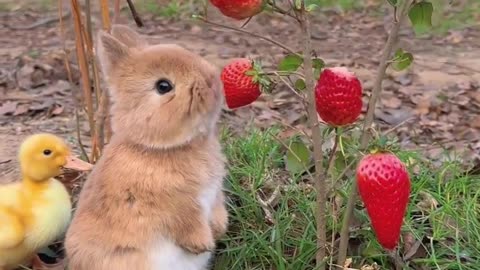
(393, 2)
(318, 63)
(300, 84)
(402, 60)
(290, 63)
(297, 158)
(421, 17)
(312, 7)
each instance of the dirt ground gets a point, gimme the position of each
(434, 106)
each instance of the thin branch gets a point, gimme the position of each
(277, 43)
(82, 62)
(116, 11)
(105, 15)
(70, 79)
(293, 90)
(282, 11)
(319, 180)
(135, 15)
(377, 89)
(106, 26)
(331, 159)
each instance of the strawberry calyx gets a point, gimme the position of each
(382, 144)
(259, 77)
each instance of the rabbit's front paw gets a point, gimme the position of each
(198, 241)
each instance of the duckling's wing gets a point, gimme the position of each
(12, 231)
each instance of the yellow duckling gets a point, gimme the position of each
(37, 210)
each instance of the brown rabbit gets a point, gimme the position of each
(154, 200)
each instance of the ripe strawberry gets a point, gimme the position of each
(238, 9)
(241, 82)
(338, 95)
(384, 186)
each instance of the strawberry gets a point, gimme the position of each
(238, 9)
(242, 82)
(384, 186)
(338, 95)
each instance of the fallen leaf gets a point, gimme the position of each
(427, 202)
(21, 109)
(392, 102)
(8, 107)
(475, 122)
(57, 110)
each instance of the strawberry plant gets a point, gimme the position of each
(333, 102)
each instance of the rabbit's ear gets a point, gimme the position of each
(110, 51)
(128, 36)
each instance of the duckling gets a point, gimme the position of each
(35, 211)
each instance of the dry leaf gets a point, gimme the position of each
(8, 107)
(427, 202)
(392, 102)
(475, 122)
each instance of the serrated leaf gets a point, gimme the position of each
(297, 158)
(421, 17)
(402, 60)
(300, 84)
(290, 63)
(393, 2)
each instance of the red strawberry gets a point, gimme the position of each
(338, 96)
(241, 83)
(238, 9)
(384, 186)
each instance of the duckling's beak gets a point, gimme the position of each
(77, 164)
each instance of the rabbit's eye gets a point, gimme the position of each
(163, 86)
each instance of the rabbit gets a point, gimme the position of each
(155, 199)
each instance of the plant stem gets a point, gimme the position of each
(377, 89)
(105, 15)
(277, 43)
(135, 15)
(331, 159)
(317, 140)
(83, 64)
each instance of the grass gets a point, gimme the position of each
(443, 214)
(455, 15)
(169, 9)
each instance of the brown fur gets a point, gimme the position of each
(163, 153)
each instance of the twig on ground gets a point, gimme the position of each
(41, 22)
(319, 180)
(377, 89)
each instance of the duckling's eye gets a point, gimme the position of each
(163, 86)
(47, 152)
